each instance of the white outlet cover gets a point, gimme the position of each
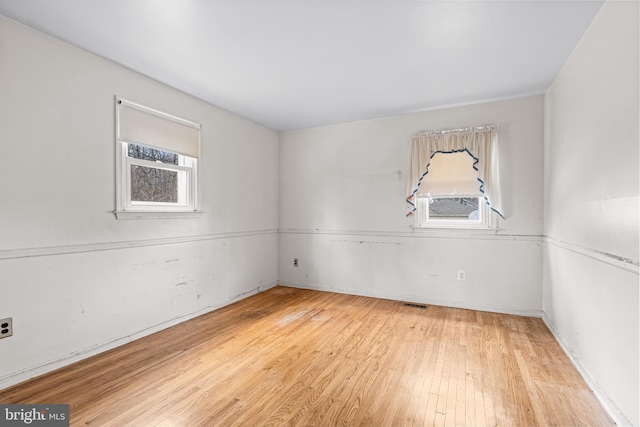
(9, 327)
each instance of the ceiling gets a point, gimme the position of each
(293, 64)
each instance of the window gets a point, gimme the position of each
(157, 163)
(454, 180)
(452, 212)
(449, 195)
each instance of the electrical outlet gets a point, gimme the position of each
(462, 275)
(295, 262)
(6, 327)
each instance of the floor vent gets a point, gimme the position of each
(414, 305)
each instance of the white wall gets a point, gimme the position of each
(590, 283)
(342, 213)
(75, 279)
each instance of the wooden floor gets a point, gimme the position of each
(298, 357)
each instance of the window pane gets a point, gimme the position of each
(453, 208)
(151, 154)
(153, 185)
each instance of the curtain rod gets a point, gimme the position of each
(460, 130)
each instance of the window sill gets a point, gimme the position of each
(157, 215)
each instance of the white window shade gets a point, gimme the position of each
(450, 174)
(141, 125)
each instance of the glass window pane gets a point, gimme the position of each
(151, 154)
(458, 208)
(153, 185)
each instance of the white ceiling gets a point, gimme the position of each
(293, 64)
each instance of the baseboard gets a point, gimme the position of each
(422, 300)
(14, 378)
(607, 403)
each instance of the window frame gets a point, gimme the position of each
(487, 220)
(185, 194)
(481, 142)
(188, 205)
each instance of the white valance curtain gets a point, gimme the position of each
(480, 142)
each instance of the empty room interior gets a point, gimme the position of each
(320, 212)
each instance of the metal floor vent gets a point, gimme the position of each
(414, 305)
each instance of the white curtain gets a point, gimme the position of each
(480, 142)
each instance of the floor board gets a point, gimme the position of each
(298, 357)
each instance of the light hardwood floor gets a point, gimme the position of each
(297, 357)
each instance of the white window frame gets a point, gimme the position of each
(185, 183)
(188, 205)
(486, 218)
(481, 142)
